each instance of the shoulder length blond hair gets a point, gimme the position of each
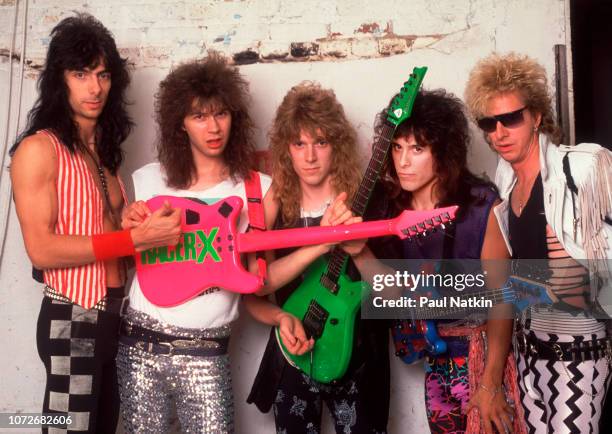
(308, 107)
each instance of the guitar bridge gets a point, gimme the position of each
(314, 320)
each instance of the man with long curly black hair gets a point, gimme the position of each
(68, 199)
(178, 355)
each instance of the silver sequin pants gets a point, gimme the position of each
(150, 384)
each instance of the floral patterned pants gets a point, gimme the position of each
(298, 405)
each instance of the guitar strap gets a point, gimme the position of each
(252, 187)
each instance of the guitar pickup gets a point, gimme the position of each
(314, 320)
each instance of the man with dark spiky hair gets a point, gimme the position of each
(68, 199)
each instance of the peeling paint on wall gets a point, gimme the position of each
(265, 31)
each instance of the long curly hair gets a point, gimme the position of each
(438, 120)
(77, 43)
(208, 81)
(498, 74)
(308, 107)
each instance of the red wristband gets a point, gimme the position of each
(113, 245)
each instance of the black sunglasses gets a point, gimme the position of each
(509, 120)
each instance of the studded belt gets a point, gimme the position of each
(108, 304)
(155, 342)
(578, 351)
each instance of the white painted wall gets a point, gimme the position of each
(448, 36)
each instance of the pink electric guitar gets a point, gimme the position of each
(208, 255)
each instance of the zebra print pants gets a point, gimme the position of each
(563, 397)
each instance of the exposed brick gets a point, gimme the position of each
(388, 46)
(273, 51)
(275, 30)
(303, 49)
(364, 47)
(246, 57)
(335, 47)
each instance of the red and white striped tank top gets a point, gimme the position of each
(80, 212)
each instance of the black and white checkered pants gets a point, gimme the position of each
(78, 348)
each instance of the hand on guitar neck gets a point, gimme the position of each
(152, 229)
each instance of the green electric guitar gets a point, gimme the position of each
(327, 301)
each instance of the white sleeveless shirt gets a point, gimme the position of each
(214, 308)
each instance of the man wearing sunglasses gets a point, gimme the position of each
(557, 205)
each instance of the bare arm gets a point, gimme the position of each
(34, 174)
(283, 270)
(489, 397)
(291, 329)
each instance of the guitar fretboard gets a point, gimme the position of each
(380, 150)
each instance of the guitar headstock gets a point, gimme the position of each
(412, 223)
(528, 292)
(401, 106)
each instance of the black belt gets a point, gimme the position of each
(577, 351)
(160, 343)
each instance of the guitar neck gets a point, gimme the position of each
(398, 111)
(284, 238)
(377, 161)
(364, 193)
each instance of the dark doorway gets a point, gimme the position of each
(591, 26)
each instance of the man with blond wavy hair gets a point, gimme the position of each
(557, 202)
